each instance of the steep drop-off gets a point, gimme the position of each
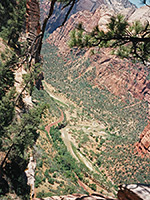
(108, 113)
(89, 5)
(120, 77)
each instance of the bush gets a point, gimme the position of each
(92, 186)
(38, 180)
(40, 194)
(46, 173)
(51, 181)
(54, 175)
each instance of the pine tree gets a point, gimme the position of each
(128, 40)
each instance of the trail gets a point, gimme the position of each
(67, 143)
(64, 132)
(47, 128)
(65, 136)
(50, 90)
(84, 186)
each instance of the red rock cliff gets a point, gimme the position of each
(33, 30)
(143, 146)
(124, 77)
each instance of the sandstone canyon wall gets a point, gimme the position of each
(82, 5)
(124, 77)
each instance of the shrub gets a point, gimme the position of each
(92, 186)
(51, 181)
(38, 180)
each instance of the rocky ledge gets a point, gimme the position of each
(126, 192)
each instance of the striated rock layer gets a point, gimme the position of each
(121, 79)
(126, 192)
(33, 29)
(78, 197)
(143, 146)
(134, 192)
(32, 20)
(88, 5)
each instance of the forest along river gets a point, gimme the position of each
(64, 131)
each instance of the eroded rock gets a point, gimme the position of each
(134, 192)
(143, 146)
(120, 77)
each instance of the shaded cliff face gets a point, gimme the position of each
(120, 77)
(89, 5)
(33, 29)
(32, 20)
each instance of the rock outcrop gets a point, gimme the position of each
(32, 20)
(78, 197)
(142, 14)
(33, 29)
(126, 192)
(124, 76)
(134, 192)
(82, 5)
(30, 173)
(143, 146)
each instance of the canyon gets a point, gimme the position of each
(93, 141)
(88, 5)
(120, 77)
(124, 76)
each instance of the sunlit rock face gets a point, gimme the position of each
(143, 146)
(142, 14)
(89, 5)
(118, 80)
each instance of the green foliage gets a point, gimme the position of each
(73, 41)
(15, 136)
(41, 194)
(7, 95)
(131, 41)
(12, 21)
(120, 118)
(117, 26)
(51, 181)
(38, 180)
(6, 74)
(31, 76)
(92, 186)
(66, 163)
